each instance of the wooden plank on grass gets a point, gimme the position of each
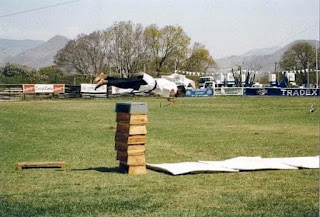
(131, 129)
(46, 164)
(132, 118)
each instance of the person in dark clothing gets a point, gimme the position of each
(140, 83)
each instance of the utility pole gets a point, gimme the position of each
(308, 76)
(317, 73)
(275, 71)
(176, 66)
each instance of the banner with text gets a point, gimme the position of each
(199, 92)
(283, 91)
(43, 88)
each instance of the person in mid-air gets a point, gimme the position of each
(141, 83)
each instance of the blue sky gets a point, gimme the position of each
(225, 27)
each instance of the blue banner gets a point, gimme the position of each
(282, 91)
(296, 92)
(199, 92)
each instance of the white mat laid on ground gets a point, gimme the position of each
(238, 164)
(252, 163)
(300, 162)
(188, 167)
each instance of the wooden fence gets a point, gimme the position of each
(15, 92)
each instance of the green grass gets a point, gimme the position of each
(81, 132)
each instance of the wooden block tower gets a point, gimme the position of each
(130, 138)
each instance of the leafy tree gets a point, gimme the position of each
(168, 43)
(198, 60)
(51, 75)
(17, 74)
(301, 56)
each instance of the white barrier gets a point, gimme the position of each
(90, 88)
(229, 91)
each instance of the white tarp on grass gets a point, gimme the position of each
(238, 164)
(300, 162)
(188, 167)
(252, 163)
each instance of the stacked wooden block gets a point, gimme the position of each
(130, 138)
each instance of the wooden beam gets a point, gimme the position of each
(130, 149)
(128, 139)
(133, 170)
(138, 160)
(132, 129)
(132, 118)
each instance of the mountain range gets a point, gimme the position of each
(38, 54)
(32, 53)
(263, 60)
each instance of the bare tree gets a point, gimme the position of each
(126, 48)
(129, 48)
(85, 55)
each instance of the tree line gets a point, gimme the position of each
(13, 73)
(126, 48)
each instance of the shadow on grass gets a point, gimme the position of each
(101, 169)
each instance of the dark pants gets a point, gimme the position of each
(132, 82)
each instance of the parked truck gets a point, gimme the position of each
(204, 82)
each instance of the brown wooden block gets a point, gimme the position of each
(47, 164)
(132, 118)
(131, 129)
(133, 170)
(137, 160)
(137, 170)
(122, 155)
(130, 149)
(128, 139)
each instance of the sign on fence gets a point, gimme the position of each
(300, 92)
(232, 90)
(90, 88)
(283, 91)
(44, 88)
(199, 92)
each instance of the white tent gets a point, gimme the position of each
(180, 79)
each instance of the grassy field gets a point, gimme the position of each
(81, 132)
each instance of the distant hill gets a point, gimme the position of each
(256, 60)
(39, 56)
(261, 51)
(10, 47)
